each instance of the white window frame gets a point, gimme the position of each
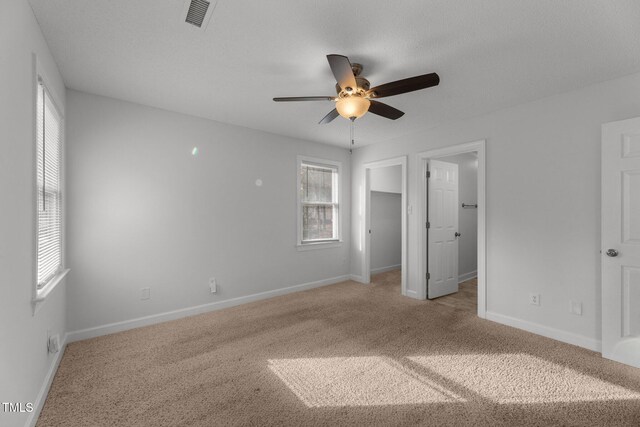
(318, 244)
(40, 294)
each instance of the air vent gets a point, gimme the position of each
(197, 12)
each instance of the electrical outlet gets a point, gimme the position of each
(53, 343)
(534, 299)
(145, 293)
(575, 307)
(213, 285)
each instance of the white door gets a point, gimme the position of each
(621, 241)
(442, 229)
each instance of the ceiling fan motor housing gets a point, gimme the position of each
(363, 84)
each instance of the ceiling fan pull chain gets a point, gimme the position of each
(352, 134)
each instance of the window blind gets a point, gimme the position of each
(49, 197)
(319, 202)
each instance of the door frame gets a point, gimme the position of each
(423, 160)
(396, 161)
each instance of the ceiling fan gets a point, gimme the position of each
(355, 97)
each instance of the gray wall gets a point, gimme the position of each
(543, 199)
(387, 179)
(24, 359)
(144, 212)
(467, 218)
(386, 227)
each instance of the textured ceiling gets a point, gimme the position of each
(490, 54)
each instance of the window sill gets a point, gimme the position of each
(42, 293)
(319, 245)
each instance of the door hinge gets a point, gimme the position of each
(428, 225)
(428, 174)
(428, 276)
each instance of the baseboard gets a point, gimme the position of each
(412, 294)
(44, 390)
(357, 278)
(467, 276)
(385, 269)
(192, 311)
(546, 331)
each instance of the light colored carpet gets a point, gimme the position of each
(465, 299)
(346, 354)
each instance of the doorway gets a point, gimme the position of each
(452, 246)
(385, 195)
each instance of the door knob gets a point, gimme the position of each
(458, 234)
(612, 253)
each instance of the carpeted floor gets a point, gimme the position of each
(346, 354)
(465, 299)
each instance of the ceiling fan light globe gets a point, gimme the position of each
(352, 106)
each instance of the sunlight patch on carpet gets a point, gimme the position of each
(357, 381)
(522, 378)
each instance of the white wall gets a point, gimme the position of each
(144, 212)
(467, 217)
(543, 201)
(386, 227)
(387, 179)
(24, 359)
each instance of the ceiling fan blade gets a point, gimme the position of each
(341, 68)
(385, 110)
(329, 117)
(305, 98)
(405, 85)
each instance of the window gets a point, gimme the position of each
(49, 194)
(318, 201)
